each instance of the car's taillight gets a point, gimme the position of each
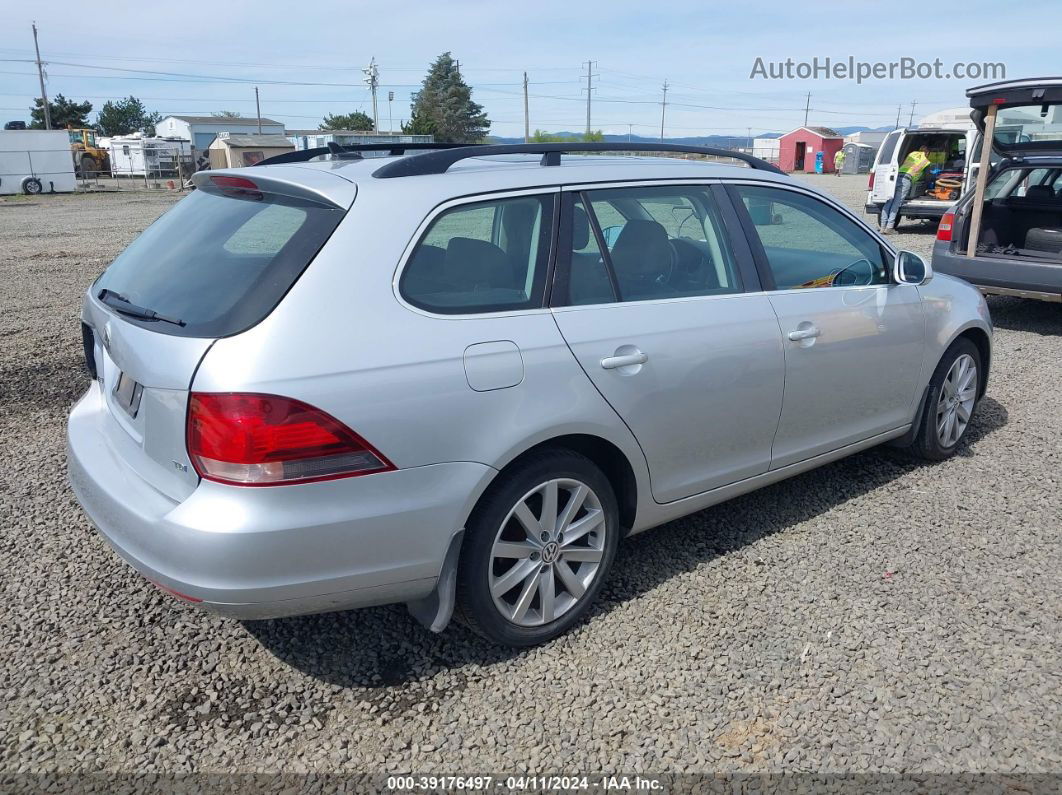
(944, 230)
(267, 440)
(870, 182)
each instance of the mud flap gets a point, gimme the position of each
(436, 609)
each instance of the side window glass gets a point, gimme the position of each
(665, 242)
(809, 244)
(485, 257)
(588, 280)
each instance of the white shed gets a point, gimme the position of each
(202, 130)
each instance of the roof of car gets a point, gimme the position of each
(514, 172)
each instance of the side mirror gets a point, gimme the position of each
(909, 268)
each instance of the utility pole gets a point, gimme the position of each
(390, 112)
(899, 109)
(748, 139)
(630, 127)
(40, 75)
(372, 79)
(663, 107)
(807, 109)
(258, 110)
(589, 88)
(527, 120)
(910, 121)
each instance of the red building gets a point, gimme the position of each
(797, 150)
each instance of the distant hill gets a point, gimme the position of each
(719, 141)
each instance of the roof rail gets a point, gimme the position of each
(353, 151)
(440, 162)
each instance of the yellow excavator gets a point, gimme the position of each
(89, 159)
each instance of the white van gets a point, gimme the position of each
(954, 151)
(36, 161)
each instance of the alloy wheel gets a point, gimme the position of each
(958, 394)
(547, 552)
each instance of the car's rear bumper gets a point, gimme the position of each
(1025, 278)
(914, 209)
(275, 551)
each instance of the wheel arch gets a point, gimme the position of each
(979, 337)
(606, 456)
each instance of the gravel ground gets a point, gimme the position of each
(875, 615)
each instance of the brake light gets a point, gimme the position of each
(267, 440)
(239, 183)
(944, 230)
(870, 182)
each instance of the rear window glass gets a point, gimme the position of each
(887, 147)
(219, 262)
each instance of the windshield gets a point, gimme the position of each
(219, 263)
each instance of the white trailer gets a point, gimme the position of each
(36, 161)
(133, 155)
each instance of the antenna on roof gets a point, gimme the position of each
(340, 153)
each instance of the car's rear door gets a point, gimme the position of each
(664, 313)
(853, 339)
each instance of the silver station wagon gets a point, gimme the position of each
(457, 378)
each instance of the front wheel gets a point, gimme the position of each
(953, 394)
(32, 186)
(537, 549)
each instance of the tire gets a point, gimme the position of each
(32, 186)
(931, 443)
(521, 614)
(88, 165)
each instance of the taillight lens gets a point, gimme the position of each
(944, 230)
(267, 440)
(870, 182)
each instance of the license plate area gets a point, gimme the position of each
(127, 394)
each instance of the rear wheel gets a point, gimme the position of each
(88, 166)
(32, 186)
(537, 549)
(950, 403)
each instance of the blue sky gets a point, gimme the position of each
(196, 57)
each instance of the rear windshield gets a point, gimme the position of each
(219, 262)
(1029, 127)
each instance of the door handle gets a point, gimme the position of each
(804, 334)
(625, 360)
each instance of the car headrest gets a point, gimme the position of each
(474, 263)
(1040, 193)
(641, 248)
(580, 229)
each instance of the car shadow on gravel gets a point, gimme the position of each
(1024, 314)
(389, 657)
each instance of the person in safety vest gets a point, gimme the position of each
(838, 161)
(912, 170)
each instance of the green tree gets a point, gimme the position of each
(126, 116)
(357, 121)
(444, 103)
(543, 137)
(227, 114)
(419, 124)
(64, 112)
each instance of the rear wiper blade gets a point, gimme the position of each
(120, 303)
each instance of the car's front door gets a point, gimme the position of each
(853, 338)
(650, 296)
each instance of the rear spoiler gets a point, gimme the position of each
(312, 186)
